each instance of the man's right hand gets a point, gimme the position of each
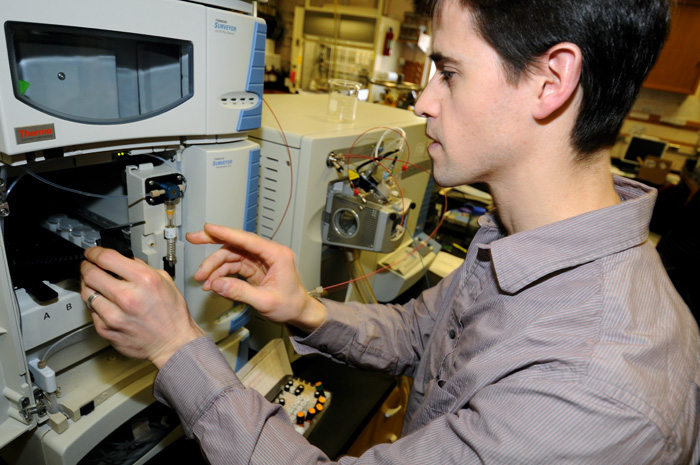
(271, 286)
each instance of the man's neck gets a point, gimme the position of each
(543, 192)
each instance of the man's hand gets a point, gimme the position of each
(143, 315)
(272, 285)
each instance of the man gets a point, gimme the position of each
(560, 339)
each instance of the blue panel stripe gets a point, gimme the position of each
(247, 122)
(256, 89)
(261, 33)
(252, 118)
(258, 59)
(254, 182)
(250, 218)
(252, 211)
(257, 74)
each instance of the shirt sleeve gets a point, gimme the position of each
(508, 422)
(232, 424)
(390, 338)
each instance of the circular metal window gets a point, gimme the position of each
(346, 222)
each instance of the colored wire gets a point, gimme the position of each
(398, 186)
(398, 131)
(401, 133)
(375, 159)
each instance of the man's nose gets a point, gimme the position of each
(426, 105)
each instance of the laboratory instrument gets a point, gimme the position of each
(125, 125)
(303, 155)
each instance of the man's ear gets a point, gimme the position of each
(557, 78)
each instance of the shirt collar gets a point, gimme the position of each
(522, 258)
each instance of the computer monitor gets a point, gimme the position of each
(641, 147)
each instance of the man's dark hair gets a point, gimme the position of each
(619, 39)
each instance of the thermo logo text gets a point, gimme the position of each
(28, 134)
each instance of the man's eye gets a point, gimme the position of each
(446, 75)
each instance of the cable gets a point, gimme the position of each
(373, 159)
(79, 335)
(74, 191)
(399, 131)
(31, 173)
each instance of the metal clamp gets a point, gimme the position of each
(334, 161)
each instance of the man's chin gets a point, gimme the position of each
(443, 180)
(450, 178)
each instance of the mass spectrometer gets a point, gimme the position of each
(307, 167)
(123, 124)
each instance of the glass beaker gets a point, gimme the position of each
(342, 99)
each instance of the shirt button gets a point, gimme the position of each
(452, 334)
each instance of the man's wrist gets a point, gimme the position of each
(312, 316)
(162, 357)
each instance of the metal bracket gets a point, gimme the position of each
(28, 410)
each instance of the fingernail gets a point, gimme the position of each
(218, 285)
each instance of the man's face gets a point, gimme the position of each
(476, 119)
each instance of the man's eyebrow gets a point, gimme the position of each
(438, 58)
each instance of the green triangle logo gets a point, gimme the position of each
(23, 86)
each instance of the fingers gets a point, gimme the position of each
(237, 238)
(102, 311)
(241, 253)
(231, 288)
(262, 299)
(137, 276)
(113, 261)
(271, 283)
(102, 327)
(95, 279)
(222, 263)
(210, 275)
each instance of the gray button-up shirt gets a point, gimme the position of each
(563, 344)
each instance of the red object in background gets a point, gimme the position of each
(387, 41)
